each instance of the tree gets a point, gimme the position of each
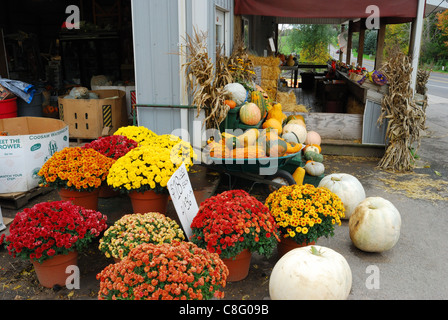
(442, 23)
(370, 42)
(310, 40)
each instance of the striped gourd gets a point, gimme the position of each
(259, 100)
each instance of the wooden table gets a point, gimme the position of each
(295, 69)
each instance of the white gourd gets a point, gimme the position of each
(299, 131)
(375, 225)
(314, 168)
(236, 92)
(311, 273)
(347, 187)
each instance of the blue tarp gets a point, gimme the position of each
(23, 90)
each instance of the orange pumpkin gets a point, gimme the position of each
(230, 103)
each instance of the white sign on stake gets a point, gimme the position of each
(2, 225)
(181, 191)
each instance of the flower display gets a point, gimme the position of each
(139, 134)
(132, 230)
(150, 166)
(170, 271)
(75, 169)
(305, 212)
(233, 221)
(114, 146)
(52, 228)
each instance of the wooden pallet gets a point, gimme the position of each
(16, 200)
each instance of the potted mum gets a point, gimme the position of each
(132, 230)
(234, 224)
(51, 234)
(304, 213)
(143, 172)
(170, 271)
(137, 133)
(114, 147)
(77, 173)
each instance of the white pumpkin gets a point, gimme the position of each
(299, 131)
(375, 225)
(312, 148)
(236, 92)
(314, 168)
(290, 137)
(311, 273)
(347, 187)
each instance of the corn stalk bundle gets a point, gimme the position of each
(406, 118)
(205, 81)
(422, 79)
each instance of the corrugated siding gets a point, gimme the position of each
(225, 4)
(156, 36)
(372, 132)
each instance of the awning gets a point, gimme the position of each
(390, 11)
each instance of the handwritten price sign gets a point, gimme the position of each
(181, 191)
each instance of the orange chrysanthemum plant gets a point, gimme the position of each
(170, 271)
(75, 169)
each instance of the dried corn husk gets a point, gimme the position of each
(406, 118)
(206, 82)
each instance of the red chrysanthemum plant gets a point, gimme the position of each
(114, 146)
(233, 221)
(52, 228)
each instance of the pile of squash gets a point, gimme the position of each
(251, 144)
(279, 135)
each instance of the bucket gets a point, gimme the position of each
(32, 109)
(8, 108)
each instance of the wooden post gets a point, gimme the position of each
(340, 51)
(380, 45)
(349, 43)
(416, 38)
(3, 59)
(362, 33)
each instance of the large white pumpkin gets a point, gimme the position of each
(297, 129)
(347, 188)
(311, 273)
(375, 225)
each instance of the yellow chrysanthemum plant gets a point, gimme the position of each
(132, 230)
(151, 165)
(305, 212)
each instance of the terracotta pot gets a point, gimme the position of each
(238, 266)
(86, 199)
(148, 201)
(288, 244)
(51, 272)
(108, 192)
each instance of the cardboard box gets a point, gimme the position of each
(30, 142)
(93, 118)
(130, 90)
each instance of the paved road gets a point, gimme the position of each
(438, 84)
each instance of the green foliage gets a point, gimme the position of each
(370, 42)
(311, 41)
(434, 51)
